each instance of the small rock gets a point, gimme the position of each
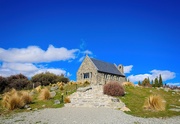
(43, 106)
(54, 88)
(56, 102)
(125, 109)
(35, 109)
(173, 93)
(150, 91)
(166, 89)
(26, 106)
(53, 94)
(175, 109)
(84, 89)
(29, 109)
(115, 100)
(179, 100)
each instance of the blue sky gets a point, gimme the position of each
(39, 35)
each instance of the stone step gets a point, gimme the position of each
(94, 97)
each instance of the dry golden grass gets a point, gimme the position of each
(61, 87)
(38, 89)
(11, 100)
(26, 97)
(74, 83)
(127, 84)
(44, 94)
(16, 99)
(154, 102)
(67, 100)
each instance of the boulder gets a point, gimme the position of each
(53, 94)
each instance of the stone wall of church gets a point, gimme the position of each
(87, 72)
(104, 78)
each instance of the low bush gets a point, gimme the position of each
(113, 89)
(154, 102)
(44, 94)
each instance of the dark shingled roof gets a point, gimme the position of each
(106, 67)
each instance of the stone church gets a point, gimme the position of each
(99, 72)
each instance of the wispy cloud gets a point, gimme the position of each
(174, 84)
(127, 69)
(82, 45)
(34, 54)
(84, 53)
(166, 75)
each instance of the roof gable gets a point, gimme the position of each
(106, 67)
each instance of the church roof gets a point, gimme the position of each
(106, 67)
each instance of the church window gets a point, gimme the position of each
(86, 75)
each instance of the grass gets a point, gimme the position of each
(38, 104)
(136, 96)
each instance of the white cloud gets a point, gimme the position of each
(173, 84)
(166, 75)
(34, 54)
(25, 60)
(127, 69)
(28, 69)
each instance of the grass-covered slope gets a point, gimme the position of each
(136, 96)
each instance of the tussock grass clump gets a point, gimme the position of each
(86, 83)
(44, 94)
(61, 88)
(38, 89)
(67, 99)
(154, 102)
(26, 97)
(16, 99)
(127, 84)
(113, 89)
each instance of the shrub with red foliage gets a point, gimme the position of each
(113, 89)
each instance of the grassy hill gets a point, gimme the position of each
(135, 98)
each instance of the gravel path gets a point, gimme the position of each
(69, 115)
